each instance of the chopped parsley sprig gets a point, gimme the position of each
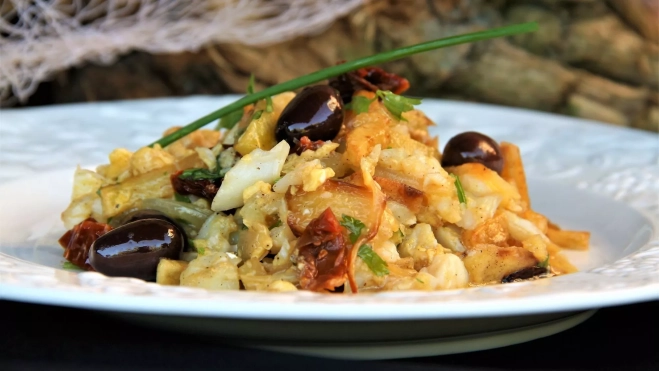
(200, 174)
(462, 197)
(340, 69)
(394, 103)
(354, 227)
(373, 261)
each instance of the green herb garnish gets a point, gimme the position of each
(373, 261)
(461, 192)
(71, 266)
(339, 69)
(190, 242)
(544, 263)
(181, 198)
(199, 174)
(230, 120)
(200, 250)
(354, 226)
(268, 104)
(360, 104)
(257, 115)
(418, 280)
(250, 85)
(397, 104)
(275, 224)
(243, 227)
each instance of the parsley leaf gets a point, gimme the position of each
(230, 120)
(181, 198)
(275, 224)
(268, 104)
(191, 244)
(354, 226)
(69, 265)
(201, 250)
(360, 104)
(419, 281)
(250, 86)
(373, 261)
(397, 104)
(461, 192)
(544, 263)
(199, 174)
(257, 115)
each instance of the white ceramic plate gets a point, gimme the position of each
(583, 175)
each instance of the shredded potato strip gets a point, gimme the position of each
(367, 165)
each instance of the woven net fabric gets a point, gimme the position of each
(40, 37)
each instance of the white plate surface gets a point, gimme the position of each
(583, 176)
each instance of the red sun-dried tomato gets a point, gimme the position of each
(305, 144)
(204, 188)
(323, 251)
(369, 78)
(77, 241)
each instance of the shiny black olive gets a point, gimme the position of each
(472, 147)
(134, 249)
(317, 113)
(135, 215)
(524, 274)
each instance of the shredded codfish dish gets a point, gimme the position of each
(338, 188)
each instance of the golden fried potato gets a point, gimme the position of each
(369, 129)
(154, 184)
(147, 159)
(574, 240)
(537, 219)
(169, 272)
(493, 231)
(488, 264)
(341, 197)
(119, 164)
(513, 170)
(212, 271)
(411, 197)
(260, 132)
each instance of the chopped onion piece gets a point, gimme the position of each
(258, 165)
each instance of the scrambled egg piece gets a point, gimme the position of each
(421, 245)
(310, 176)
(212, 271)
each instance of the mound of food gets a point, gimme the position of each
(339, 188)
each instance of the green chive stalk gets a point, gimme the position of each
(340, 69)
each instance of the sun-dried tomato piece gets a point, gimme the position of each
(369, 78)
(204, 188)
(322, 250)
(77, 241)
(306, 144)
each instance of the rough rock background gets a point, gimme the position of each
(593, 59)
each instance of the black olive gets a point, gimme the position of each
(135, 215)
(134, 249)
(316, 113)
(472, 147)
(524, 274)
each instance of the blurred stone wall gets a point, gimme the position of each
(593, 59)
